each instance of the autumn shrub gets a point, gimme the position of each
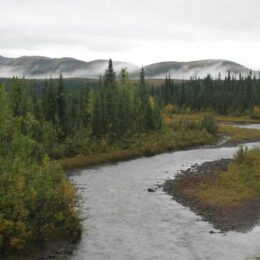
(36, 205)
(255, 114)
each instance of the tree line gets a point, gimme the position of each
(64, 122)
(57, 118)
(232, 95)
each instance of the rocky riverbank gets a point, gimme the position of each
(240, 218)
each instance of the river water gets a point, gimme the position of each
(122, 221)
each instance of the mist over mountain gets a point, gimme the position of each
(201, 68)
(41, 67)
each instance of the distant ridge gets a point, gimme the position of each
(42, 67)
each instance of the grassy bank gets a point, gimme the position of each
(238, 135)
(183, 134)
(225, 193)
(143, 145)
(235, 186)
(220, 118)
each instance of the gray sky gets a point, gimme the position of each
(139, 31)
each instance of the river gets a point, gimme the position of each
(122, 221)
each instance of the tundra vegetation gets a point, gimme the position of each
(113, 119)
(238, 184)
(224, 192)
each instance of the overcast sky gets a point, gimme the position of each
(139, 31)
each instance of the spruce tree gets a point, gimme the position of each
(61, 102)
(142, 85)
(110, 75)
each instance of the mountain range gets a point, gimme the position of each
(42, 67)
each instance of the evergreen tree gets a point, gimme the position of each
(110, 76)
(61, 103)
(142, 85)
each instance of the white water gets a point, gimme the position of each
(124, 221)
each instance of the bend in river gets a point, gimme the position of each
(123, 221)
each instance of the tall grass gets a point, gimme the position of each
(238, 184)
(238, 134)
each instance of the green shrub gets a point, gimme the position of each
(210, 124)
(240, 154)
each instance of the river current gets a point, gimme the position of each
(122, 221)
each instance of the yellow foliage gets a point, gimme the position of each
(151, 102)
(256, 110)
(17, 243)
(167, 120)
(169, 108)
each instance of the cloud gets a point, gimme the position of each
(121, 28)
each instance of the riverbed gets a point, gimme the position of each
(122, 221)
